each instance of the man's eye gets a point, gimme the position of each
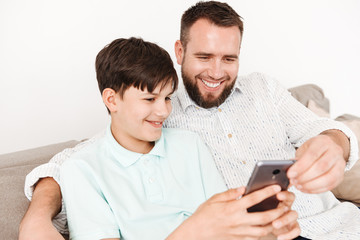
(229, 60)
(168, 98)
(150, 99)
(203, 57)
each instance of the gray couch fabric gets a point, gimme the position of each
(13, 169)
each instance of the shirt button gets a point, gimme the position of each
(151, 180)
(244, 162)
(219, 109)
(230, 135)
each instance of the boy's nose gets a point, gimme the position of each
(162, 109)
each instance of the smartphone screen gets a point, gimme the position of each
(266, 173)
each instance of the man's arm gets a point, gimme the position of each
(225, 216)
(320, 162)
(45, 205)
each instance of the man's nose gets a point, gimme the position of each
(216, 69)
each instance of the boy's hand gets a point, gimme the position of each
(286, 226)
(225, 216)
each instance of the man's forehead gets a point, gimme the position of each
(208, 38)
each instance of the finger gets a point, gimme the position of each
(323, 183)
(266, 217)
(287, 219)
(251, 231)
(294, 231)
(324, 164)
(307, 154)
(286, 197)
(258, 196)
(231, 194)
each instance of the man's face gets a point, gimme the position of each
(138, 117)
(210, 62)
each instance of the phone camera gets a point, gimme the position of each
(276, 171)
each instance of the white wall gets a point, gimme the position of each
(48, 89)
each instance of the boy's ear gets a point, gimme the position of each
(179, 52)
(109, 99)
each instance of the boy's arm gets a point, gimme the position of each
(45, 204)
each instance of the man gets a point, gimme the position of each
(243, 120)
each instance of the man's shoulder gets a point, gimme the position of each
(253, 79)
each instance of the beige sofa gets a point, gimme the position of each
(15, 166)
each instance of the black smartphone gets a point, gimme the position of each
(266, 173)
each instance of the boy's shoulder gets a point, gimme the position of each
(90, 149)
(179, 134)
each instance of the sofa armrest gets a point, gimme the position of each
(13, 169)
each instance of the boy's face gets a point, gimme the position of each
(139, 115)
(210, 63)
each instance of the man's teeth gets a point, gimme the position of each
(211, 85)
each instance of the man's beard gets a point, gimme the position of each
(207, 101)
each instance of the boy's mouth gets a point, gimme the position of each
(156, 124)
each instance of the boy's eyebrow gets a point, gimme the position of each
(204, 54)
(155, 94)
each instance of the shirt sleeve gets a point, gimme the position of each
(89, 214)
(302, 124)
(52, 169)
(213, 182)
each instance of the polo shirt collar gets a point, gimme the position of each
(186, 101)
(127, 157)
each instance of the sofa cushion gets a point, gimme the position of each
(306, 92)
(13, 169)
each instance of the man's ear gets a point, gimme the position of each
(109, 99)
(179, 52)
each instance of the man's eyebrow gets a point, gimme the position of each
(232, 56)
(210, 54)
(203, 54)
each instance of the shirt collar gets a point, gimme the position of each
(127, 157)
(186, 101)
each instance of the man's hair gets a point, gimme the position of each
(134, 62)
(218, 13)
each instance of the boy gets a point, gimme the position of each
(139, 180)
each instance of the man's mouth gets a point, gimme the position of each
(211, 85)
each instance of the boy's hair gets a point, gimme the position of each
(134, 62)
(218, 13)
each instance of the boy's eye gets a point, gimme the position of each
(150, 99)
(168, 98)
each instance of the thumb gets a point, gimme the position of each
(229, 195)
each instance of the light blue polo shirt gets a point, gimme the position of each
(111, 192)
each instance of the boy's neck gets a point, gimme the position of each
(129, 144)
